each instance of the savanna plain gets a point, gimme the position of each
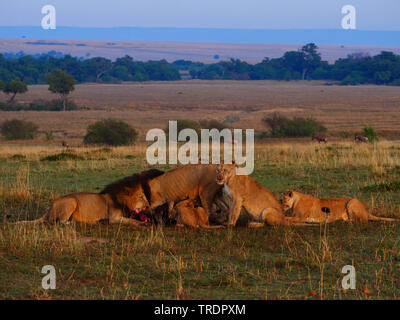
(122, 262)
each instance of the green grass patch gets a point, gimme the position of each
(17, 157)
(381, 187)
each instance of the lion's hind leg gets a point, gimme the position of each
(273, 217)
(356, 211)
(62, 210)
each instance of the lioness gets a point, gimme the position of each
(185, 213)
(307, 208)
(245, 192)
(91, 207)
(185, 182)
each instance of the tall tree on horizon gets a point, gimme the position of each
(61, 83)
(312, 58)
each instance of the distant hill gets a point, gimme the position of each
(328, 36)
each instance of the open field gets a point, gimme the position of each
(108, 261)
(152, 104)
(266, 263)
(172, 51)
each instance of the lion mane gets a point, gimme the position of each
(117, 200)
(122, 190)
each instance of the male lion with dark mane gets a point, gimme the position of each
(111, 205)
(307, 208)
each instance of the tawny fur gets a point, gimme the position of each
(245, 192)
(88, 208)
(307, 208)
(185, 213)
(127, 194)
(185, 182)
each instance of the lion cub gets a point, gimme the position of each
(245, 192)
(307, 208)
(185, 213)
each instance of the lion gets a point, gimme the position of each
(245, 192)
(185, 213)
(91, 207)
(307, 208)
(189, 181)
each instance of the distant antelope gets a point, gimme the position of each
(319, 139)
(358, 138)
(65, 144)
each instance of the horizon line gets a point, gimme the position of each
(206, 28)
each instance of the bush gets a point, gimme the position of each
(370, 133)
(41, 105)
(231, 119)
(262, 135)
(383, 187)
(18, 157)
(49, 135)
(185, 124)
(110, 132)
(18, 129)
(62, 156)
(53, 105)
(198, 125)
(296, 127)
(345, 134)
(211, 124)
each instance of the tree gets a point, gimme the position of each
(61, 83)
(98, 66)
(14, 87)
(312, 58)
(1, 85)
(295, 61)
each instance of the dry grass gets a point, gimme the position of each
(151, 105)
(267, 263)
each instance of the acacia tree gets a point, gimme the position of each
(14, 87)
(61, 83)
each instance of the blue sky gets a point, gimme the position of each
(246, 14)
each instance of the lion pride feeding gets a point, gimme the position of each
(178, 190)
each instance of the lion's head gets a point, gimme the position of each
(224, 172)
(133, 198)
(288, 199)
(132, 192)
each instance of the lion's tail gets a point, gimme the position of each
(36, 221)
(371, 217)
